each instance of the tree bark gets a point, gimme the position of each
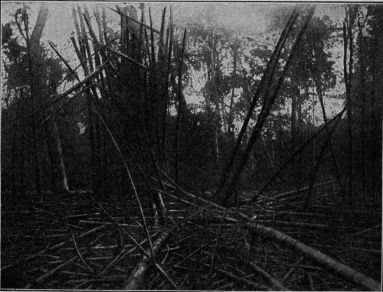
(316, 256)
(308, 141)
(363, 109)
(179, 109)
(34, 52)
(266, 79)
(83, 53)
(276, 284)
(347, 77)
(230, 124)
(56, 157)
(137, 276)
(316, 166)
(309, 252)
(269, 98)
(324, 114)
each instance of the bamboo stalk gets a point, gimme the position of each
(55, 270)
(99, 45)
(138, 200)
(61, 244)
(287, 162)
(316, 256)
(294, 192)
(134, 20)
(309, 252)
(266, 75)
(136, 278)
(159, 268)
(265, 111)
(126, 57)
(294, 267)
(124, 252)
(311, 282)
(179, 110)
(317, 164)
(276, 284)
(166, 85)
(233, 276)
(79, 254)
(62, 59)
(85, 80)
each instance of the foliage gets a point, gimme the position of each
(222, 70)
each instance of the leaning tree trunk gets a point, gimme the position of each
(268, 101)
(266, 77)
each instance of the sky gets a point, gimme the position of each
(244, 17)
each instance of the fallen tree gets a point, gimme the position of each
(137, 276)
(313, 254)
(276, 284)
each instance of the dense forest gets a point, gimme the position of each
(159, 151)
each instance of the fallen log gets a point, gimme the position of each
(243, 280)
(316, 256)
(276, 284)
(61, 244)
(309, 252)
(287, 275)
(137, 276)
(53, 271)
(294, 192)
(294, 224)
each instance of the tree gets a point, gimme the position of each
(28, 57)
(312, 71)
(208, 54)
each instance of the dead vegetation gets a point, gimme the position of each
(168, 237)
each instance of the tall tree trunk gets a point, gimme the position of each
(81, 53)
(179, 110)
(347, 36)
(13, 158)
(293, 128)
(280, 139)
(268, 101)
(266, 147)
(317, 163)
(52, 172)
(22, 158)
(313, 127)
(376, 105)
(299, 133)
(166, 88)
(34, 52)
(265, 81)
(324, 115)
(216, 135)
(363, 97)
(61, 179)
(230, 124)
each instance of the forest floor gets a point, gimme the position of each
(72, 241)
